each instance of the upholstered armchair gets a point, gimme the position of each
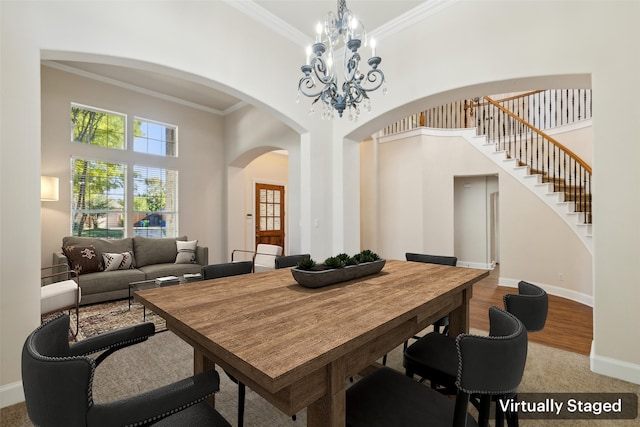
(59, 291)
(58, 379)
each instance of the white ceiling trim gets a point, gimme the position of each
(411, 17)
(271, 21)
(278, 25)
(142, 90)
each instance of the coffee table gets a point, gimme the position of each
(154, 283)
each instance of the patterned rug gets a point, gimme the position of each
(103, 317)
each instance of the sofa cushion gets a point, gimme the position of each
(149, 251)
(83, 259)
(121, 261)
(116, 246)
(101, 282)
(186, 252)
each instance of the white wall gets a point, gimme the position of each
(472, 226)
(200, 164)
(219, 46)
(435, 216)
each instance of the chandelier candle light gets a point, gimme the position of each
(320, 78)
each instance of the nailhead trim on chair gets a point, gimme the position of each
(66, 358)
(166, 414)
(497, 338)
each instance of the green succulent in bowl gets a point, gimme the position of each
(367, 256)
(306, 264)
(334, 262)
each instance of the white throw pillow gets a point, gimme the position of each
(186, 252)
(121, 261)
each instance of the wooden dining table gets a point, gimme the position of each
(297, 347)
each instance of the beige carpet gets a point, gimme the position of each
(165, 358)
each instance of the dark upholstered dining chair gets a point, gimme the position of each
(530, 305)
(58, 379)
(286, 261)
(434, 259)
(491, 365)
(215, 271)
(433, 357)
(443, 322)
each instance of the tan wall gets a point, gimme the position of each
(199, 163)
(270, 168)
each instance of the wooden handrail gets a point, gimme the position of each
(571, 154)
(473, 104)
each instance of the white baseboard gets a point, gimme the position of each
(614, 368)
(552, 290)
(10, 394)
(479, 265)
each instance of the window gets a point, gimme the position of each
(154, 202)
(113, 198)
(154, 138)
(96, 127)
(98, 205)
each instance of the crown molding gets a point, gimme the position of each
(407, 19)
(411, 17)
(271, 21)
(134, 88)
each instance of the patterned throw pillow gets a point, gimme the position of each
(83, 259)
(186, 252)
(121, 261)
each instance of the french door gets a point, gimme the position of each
(270, 214)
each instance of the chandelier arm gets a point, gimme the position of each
(305, 86)
(320, 70)
(351, 64)
(376, 77)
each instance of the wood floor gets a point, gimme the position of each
(569, 324)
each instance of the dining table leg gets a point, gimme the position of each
(202, 364)
(330, 409)
(459, 318)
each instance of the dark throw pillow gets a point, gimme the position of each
(83, 259)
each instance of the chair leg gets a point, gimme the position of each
(499, 415)
(512, 417)
(77, 319)
(241, 395)
(484, 410)
(384, 360)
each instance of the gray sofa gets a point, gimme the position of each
(152, 258)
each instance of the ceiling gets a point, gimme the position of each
(291, 18)
(304, 15)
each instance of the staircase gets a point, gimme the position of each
(561, 199)
(510, 132)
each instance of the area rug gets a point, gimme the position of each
(165, 358)
(98, 318)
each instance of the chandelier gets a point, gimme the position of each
(320, 79)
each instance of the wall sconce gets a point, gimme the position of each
(48, 189)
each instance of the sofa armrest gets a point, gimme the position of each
(59, 261)
(202, 255)
(59, 258)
